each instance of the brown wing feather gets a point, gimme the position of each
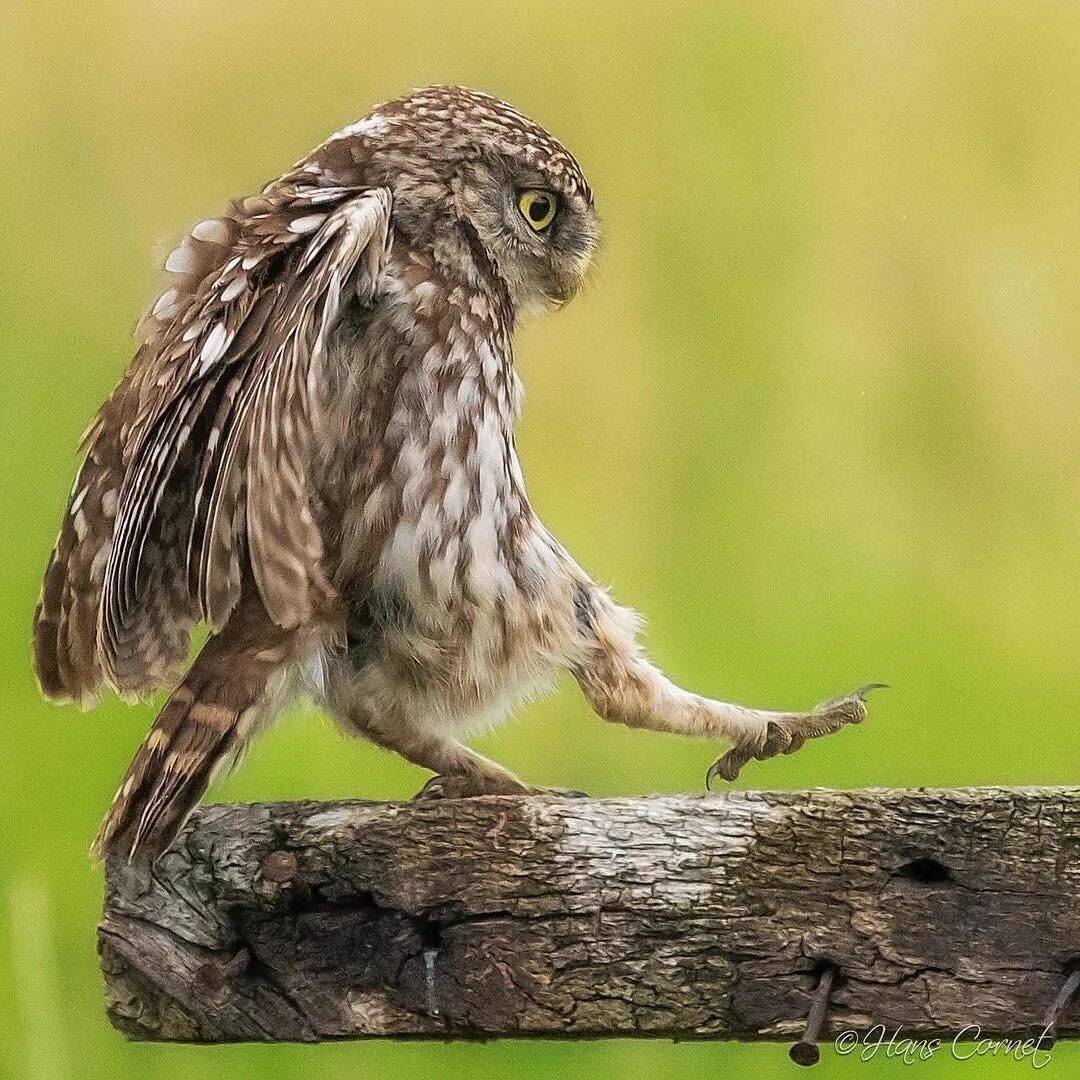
(197, 464)
(65, 620)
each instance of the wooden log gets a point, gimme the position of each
(684, 917)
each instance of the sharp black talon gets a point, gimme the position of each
(864, 690)
(726, 767)
(858, 695)
(710, 776)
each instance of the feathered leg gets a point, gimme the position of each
(623, 686)
(459, 771)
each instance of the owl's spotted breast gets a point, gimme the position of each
(439, 557)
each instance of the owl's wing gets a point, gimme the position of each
(196, 471)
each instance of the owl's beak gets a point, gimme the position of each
(567, 280)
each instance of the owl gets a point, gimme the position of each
(312, 453)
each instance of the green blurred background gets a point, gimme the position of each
(816, 417)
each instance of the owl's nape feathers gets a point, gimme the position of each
(312, 452)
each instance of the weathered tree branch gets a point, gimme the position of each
(676, 917)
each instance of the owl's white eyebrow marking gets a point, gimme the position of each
(370, 125)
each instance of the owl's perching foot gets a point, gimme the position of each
(787, 734)
(467, 787)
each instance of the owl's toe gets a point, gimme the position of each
(787, 734)
(469, 786)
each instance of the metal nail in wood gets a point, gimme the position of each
(806, 1052)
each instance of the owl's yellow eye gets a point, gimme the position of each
(537, 208)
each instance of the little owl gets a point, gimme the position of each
(313, 453)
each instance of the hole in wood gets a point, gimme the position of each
(925, 871)
(429, 932)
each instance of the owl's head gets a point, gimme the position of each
(483, 188)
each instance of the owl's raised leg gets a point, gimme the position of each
(624, 687)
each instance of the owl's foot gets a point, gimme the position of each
(459, 786)
(470, 785)
(787, 733)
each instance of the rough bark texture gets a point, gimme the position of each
(682, 917)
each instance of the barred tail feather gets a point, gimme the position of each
(219, 705)
(168, 775)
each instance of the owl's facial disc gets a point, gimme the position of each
(540, 239)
